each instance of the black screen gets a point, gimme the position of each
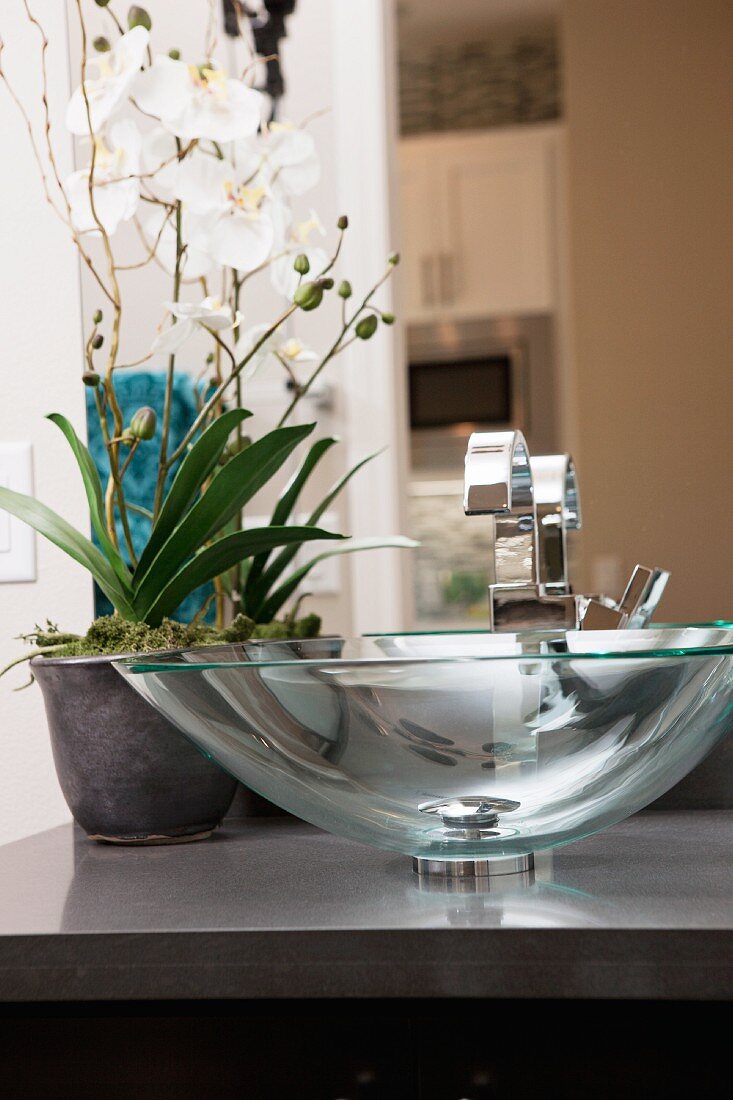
(461, 391)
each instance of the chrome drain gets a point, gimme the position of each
(471, 816)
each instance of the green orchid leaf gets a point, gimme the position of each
(274, 603)
(256, 593)
(72, 542)
(221, 555)
(289, 497)
(193, 471)
(95, 498)
(226, 495)
(288, 500)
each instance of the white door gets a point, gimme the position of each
(498, 193)
(421, 231)
(478, 223)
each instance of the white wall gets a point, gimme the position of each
(40, 364)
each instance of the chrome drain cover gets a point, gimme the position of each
(470, 812)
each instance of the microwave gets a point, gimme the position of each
(470, 376)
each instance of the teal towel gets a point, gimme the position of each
(134, 390)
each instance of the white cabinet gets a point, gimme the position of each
(479, 223)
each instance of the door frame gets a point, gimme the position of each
(365, 109)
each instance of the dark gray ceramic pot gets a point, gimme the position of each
(128, 775)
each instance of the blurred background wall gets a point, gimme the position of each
(40, 356)
(648, 101)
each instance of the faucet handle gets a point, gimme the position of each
(635, 608)
(642, 594)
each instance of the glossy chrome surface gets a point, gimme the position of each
(472, 869)
(470, 814)
(557, 511)
(498, 482)
(455, 747)
(534, 503)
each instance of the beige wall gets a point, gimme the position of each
(40, 364)
(649, 105)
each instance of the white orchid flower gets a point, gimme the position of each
(288, 154)
(116, 188)
(160, 162)
(198, 101)
(109, 78)
(232, 220)
(284, 277)
(294, 352)
(292, 155)
(161, 228)
(211, 313)
(275, 348)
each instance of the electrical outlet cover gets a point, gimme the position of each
(17, 539)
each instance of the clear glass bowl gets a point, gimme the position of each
(455, 746)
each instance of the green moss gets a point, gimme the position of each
(307, 627)
(271, 632)
(111, 634)
(239, 630)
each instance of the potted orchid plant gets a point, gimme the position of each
(180, 152)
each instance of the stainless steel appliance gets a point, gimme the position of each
(483, 375)
(468, 376)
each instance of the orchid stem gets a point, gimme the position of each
(338, 344)
(163, 464)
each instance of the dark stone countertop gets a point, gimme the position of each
(273, 908)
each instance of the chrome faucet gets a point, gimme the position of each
(535, 503)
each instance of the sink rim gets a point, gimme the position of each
(522, 646)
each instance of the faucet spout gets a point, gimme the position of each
(557, 508)
(498, 482)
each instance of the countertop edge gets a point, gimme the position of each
(567, 963)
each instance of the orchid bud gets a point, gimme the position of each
(97, 341)
(175, 55)
(101, 44)
(127, 438)
(302, 264)
(343, 222)
(388, 318)
(143, 423)
(97, 318)
(366, 327)
(210, 358)
(327, 283)
(138, 17)
(394, 259)
(102, 3)
(308, 296)
(90, 378)
(236, 447)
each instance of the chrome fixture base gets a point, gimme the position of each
(462, 869)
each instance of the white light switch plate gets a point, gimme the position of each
(325, 578)
(17, 540)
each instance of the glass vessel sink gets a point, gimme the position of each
(468, 752)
